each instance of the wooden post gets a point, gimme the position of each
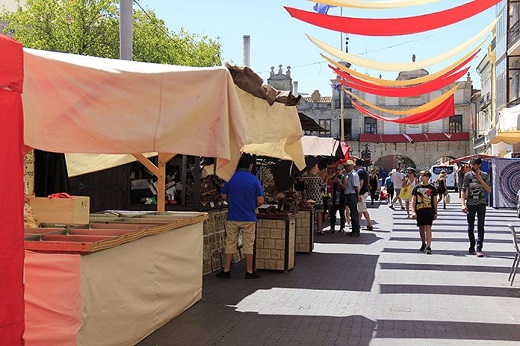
(161, 180)
(160, 172)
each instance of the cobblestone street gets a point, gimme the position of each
(377, 289)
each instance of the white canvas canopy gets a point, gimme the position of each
(319, 146)
(81, 104)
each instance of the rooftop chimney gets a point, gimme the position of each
(247, 50)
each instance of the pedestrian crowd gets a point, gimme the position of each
(344, 190)
(350, 184)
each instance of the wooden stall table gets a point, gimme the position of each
(275, 242)
(305, 229)
(110, 284)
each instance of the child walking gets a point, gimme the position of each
(424, 209)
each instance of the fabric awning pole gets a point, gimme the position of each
(160, 172)
(161, 180)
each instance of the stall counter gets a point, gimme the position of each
(275, 241)
(116, 296)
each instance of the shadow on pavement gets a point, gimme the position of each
(451, 290)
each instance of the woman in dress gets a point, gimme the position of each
(314, 188)
(440, 184)
(406, 191)
(373, 185)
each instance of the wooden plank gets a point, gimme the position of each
(161, 180)
(147, 163)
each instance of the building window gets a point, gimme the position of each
(455, 124)
(370, 125)
(325, 123)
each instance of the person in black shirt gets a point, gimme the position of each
(373, 185)
(424, 209)
(337, 199)
(363, 192)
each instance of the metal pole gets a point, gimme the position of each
(342, 120)
(125, 29)
(341, 100)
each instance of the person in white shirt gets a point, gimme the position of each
(397, 180)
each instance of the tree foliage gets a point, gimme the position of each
(91, 27)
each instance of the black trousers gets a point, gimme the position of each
(332, 214)
(352, 202)
(480, 211)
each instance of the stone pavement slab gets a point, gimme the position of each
(377, 289)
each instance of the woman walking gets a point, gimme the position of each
(373, 185)
(442, 190)
(406, 191)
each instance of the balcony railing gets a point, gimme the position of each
(513, 103)
(479, 141)
(513, 34)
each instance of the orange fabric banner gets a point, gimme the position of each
(443, 110)
(404, 82)
(423, 108)
(414, 90)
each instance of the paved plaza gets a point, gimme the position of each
(377, 289)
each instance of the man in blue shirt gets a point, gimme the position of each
(244, 194)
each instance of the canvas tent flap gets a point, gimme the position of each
(508, 127)
(319, 146)
(80, 104)
(12, 187)
(78, 164)
(11, 68)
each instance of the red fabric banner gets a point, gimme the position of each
(413, 90)
(444, 110)
(11, 68)
(12, 190)
(393, 26)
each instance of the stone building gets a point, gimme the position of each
(389, 144)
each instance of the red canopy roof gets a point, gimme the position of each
(416, 137)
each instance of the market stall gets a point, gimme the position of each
(111, 283)
(79, 104)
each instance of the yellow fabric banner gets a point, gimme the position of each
(425, 107)
(406, 66)
(376, 4)
(403, 82)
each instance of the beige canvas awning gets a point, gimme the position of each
(82, 104)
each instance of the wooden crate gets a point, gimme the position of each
(75, 210)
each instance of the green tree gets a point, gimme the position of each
(91, 27)
(405, 161)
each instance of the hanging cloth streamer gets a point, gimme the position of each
(405, 82)
(376, 4)
(443, 110)
(423, 108)
(407, 66)
(409, 91)
(393, 26)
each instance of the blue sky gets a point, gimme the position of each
(279, 39)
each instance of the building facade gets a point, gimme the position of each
(389, 144)
(502, 137)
